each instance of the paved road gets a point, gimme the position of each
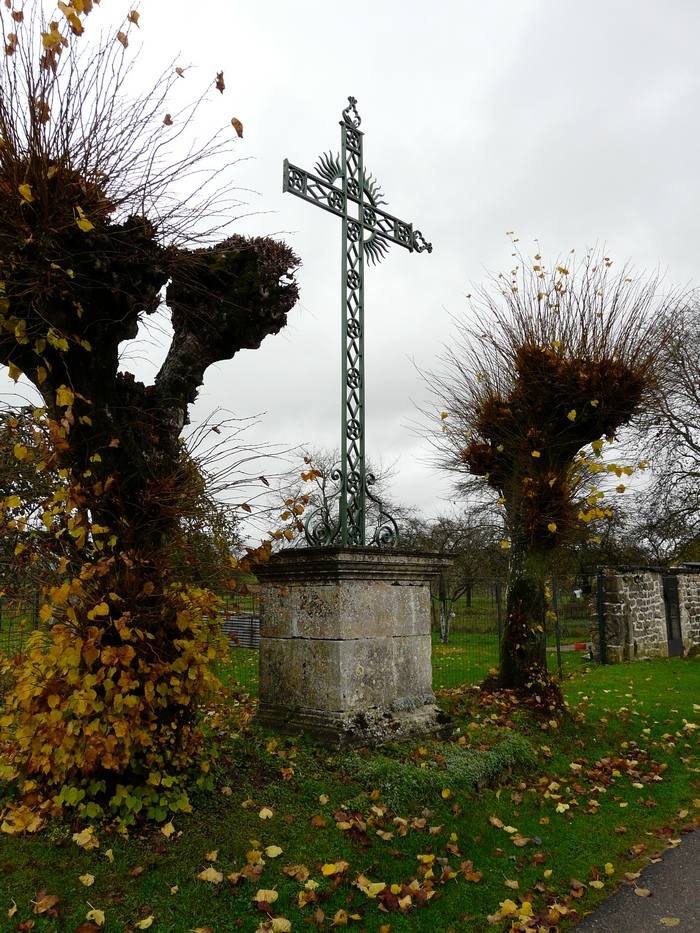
(674, 903)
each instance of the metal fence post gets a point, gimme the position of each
(557, 633)
(499, 606)
(601, 619)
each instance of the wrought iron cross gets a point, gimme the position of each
(344, 188)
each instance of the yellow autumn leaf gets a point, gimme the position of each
(596, 884)
(26, 192)
(536, 453)
(552, 526)
(609, 868)
(268, 896)
(508, 907)
(97, 916)
(280, 925)
(505, 544)
(572, 415)
(86, 839)
(211, 875)
(15, 371)
(64, 396)
(41, 374)
(273, 851)
(87, 880)
(81, 220)
(266, 813)
(145, 923)
(167, 830)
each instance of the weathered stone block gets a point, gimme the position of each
(345, 609)
(345, 650)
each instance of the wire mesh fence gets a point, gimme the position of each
(471, 649)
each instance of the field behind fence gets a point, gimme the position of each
(471, 649)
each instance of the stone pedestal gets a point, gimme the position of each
(345, 651)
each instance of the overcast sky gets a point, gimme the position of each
(569, 123)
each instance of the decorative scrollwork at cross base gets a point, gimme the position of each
(344, 188)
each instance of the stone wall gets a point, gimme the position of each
(689, 599)
(635, 614)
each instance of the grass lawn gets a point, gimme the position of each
(607, 787)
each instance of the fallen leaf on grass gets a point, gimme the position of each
(273, 851)
(97, 915)
(297, 872)
(86, 839)
(145, 923)
(596, 884)
(467, 869)
(87, 880)
(269, 897)
(266, 813)
(275, 925)
(45, 902)
(334, 868)
(11, 911)
(211, 875)
(212, 856)
(167, 830)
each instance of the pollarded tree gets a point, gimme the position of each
(91, 235)
(549, 362)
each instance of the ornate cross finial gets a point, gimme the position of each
(343, 188)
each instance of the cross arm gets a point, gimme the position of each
(311, 188)
(318, 191)
(391, 228)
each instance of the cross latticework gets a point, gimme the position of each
(344, 188)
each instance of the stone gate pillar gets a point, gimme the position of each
(345, 650)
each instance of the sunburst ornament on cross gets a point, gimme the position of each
(343, 188)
